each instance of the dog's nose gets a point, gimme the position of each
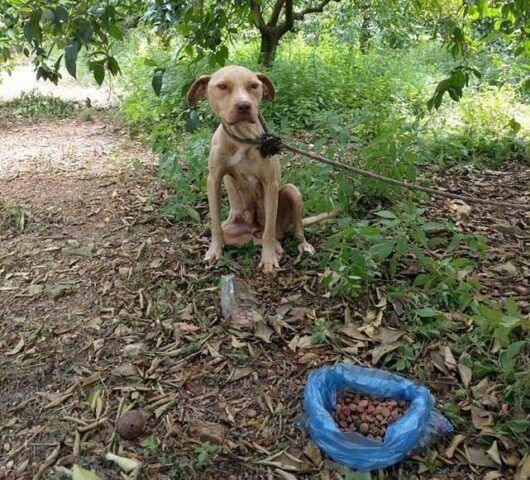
(243, 107)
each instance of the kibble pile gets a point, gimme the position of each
(367, 415)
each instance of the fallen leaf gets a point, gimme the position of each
(312, 452)
(79, 473)
(351, 331)
(239, 373)
(481, 418)
(465, 374)
(449, 358)
(17, 349)
(208, 431)
(455, 442)
(262, 331)
(388, 335)
(480, 390)
(285, 475)
(458, 207)
(493, 452)
(507, 268)
(478, 456)
(492, 475)
(379, 352)
(523, 472)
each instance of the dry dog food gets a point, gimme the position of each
(367, 415)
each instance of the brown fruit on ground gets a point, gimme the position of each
(131, 424)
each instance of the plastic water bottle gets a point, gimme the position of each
(238, 304)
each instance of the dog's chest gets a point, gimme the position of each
(242, 158)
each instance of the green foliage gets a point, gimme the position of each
(149, 444)
(206, 452)
(35, 106)
(370, 250)
(483, 25)
(499, 325)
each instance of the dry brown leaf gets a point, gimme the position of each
(388, 335)
(351, 331)
(480, 390)
(239, 373)
(493, 475)
(465, 374)
(293, 344)
(523, 472)
(481, 418)
(493, 452)
(208, 431)
(380, 352)
(17, 349)
(458, 207)
(455, 442)
(312, 452)
(477, 456)
(262, 331)
(449, 358)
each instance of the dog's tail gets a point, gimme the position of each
(306, 222)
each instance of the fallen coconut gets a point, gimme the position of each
(131, 424)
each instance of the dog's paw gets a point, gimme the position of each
(214, 253)
(305, 247)
(269, 261)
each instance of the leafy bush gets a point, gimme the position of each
(33, 105)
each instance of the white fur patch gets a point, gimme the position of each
(238, 157)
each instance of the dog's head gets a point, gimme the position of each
(234, 93)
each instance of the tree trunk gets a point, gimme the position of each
(269, 45)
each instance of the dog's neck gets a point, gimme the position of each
(246, 130)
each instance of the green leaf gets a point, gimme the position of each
(113, 66)
(115, 32)
(98, 72)
(386, 214)
(508, 357)
(156, 82)
(382, 250)
(70, 58)
(427, 312)
(149, 443)
(79, 473)
(85, 32)
(61, 14)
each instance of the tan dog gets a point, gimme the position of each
(260, 209)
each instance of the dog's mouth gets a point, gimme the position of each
(238, 120)
(241, 118)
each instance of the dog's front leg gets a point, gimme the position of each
(214, 202)
(269, 256)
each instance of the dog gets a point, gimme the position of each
(261, 209)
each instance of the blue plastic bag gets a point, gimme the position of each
(421, 425)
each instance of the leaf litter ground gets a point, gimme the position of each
(105, 305)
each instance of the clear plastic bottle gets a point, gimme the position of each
(238, 304)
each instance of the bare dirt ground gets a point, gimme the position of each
(105, 305)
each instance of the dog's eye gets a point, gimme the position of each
(222, 86)
(254, 86)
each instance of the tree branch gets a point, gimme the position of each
(317, 9)
(275, 14)
(257, 16)
(284, 27)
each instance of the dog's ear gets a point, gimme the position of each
(268, 88)
(198, 90)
